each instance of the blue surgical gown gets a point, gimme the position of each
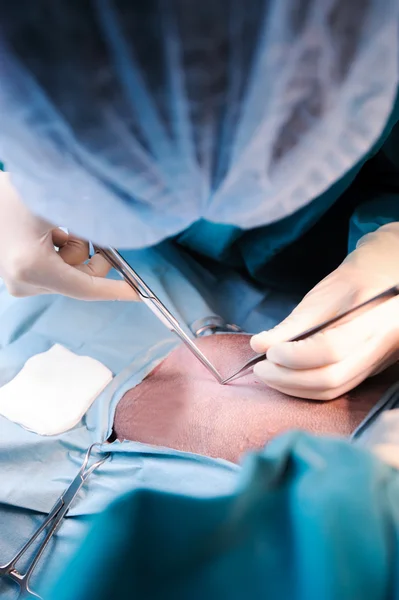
(234, 127)
(286, 254)
(311, 519)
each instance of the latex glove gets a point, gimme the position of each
(30, 264)
(336, 360)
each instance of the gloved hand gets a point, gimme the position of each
(336, 360)
(30, 265)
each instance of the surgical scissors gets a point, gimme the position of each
(55, 519)
(154, 304)
(382, 297)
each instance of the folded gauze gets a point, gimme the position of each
(53, 390)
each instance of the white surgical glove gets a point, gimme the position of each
(30, 264)
(336, 360)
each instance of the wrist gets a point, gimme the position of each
(386, 234)
(377, 254)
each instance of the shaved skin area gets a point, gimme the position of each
(180, 405)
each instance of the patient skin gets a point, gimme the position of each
(180, 405)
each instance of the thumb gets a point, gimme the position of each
(87, 285)
(307, 314)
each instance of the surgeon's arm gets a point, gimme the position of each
(30, 264)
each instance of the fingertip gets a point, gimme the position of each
(258, 342)
(59, 237)
(259, 370)
(261, 342)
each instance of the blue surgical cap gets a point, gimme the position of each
(128, 121)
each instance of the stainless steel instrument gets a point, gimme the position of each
(54, 520)
(155, 304)
(382, 297)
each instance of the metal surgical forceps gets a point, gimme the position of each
(382, 297)
(54, 519)
(154, 304)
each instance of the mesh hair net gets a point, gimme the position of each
(127, 121)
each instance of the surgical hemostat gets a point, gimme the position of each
(55, 520)
(154, 304)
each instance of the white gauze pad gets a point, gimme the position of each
(53, 391)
